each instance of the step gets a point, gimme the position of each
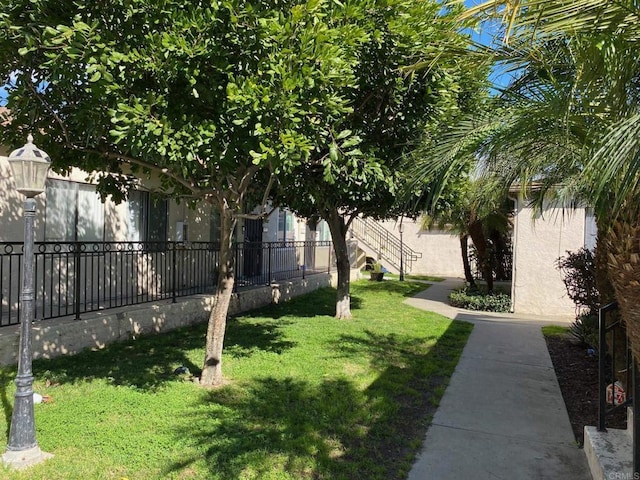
(609, 453)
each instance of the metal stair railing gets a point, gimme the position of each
(384, 242)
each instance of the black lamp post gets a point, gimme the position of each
(401, 230)
(30, 166)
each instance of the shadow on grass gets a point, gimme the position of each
(323, 301)
(405, 289)
(290, 428)
(244, 337)
(7, 406)
(149, 361)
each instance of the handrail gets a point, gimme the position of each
(384, 242)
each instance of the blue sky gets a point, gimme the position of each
(486, 36)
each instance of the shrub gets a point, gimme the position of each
(579, 276)
(584, 330)
(475, 299)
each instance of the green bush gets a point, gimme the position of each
(579, 276)
(475, 299)
(584, 331)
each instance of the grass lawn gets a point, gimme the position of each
(554, 330)
(308, 396)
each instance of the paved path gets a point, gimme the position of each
(502, 415)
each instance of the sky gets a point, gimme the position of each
(486, 36)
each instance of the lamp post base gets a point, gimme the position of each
(21, 459)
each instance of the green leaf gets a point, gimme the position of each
(343, 134)
(333, 152)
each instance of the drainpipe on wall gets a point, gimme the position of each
(514, 269)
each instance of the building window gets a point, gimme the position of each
(214, 232)
(285, 226)
(146, 218)
(324, 234)
(74, 212)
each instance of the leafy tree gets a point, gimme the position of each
(213, 99)
(357, 167)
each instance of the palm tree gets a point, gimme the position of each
(569, 122)
(463, 212)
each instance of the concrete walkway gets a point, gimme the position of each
(502, 415)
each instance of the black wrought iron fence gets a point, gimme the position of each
(78, 277)
(618, 376)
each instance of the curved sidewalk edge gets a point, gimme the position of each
(502, 415)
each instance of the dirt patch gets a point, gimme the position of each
(577, 374)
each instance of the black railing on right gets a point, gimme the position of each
(614, 364)
(78, 277)
(619, 385)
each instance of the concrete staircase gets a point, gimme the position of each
(610, 453)
(383, 245)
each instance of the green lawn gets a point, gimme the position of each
(425, 278)
(309, 397)
(554, 330)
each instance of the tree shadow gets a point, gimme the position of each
(244, 337)
(321, 302)
(149, 361)
(145, 363)
(7, 406)
(330, 429)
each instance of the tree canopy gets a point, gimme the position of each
(412, 74)
(211, 98)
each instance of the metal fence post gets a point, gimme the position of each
(236, 276)
(77, 283)
(174, 272)
(602, 352)
(636, 421)
(269, 265)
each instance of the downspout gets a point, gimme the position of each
(514, 270)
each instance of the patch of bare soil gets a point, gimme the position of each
(577, 375)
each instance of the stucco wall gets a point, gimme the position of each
(11, 220)
(539, 240)
(440, 250)
(115, 215)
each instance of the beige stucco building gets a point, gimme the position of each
(538, 240)
(71, 210)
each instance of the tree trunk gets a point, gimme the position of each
(476, 232)
(500, 249)
(624, 266)
(212, 368)
(464, 249)
(339, 237)
(606, 293)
